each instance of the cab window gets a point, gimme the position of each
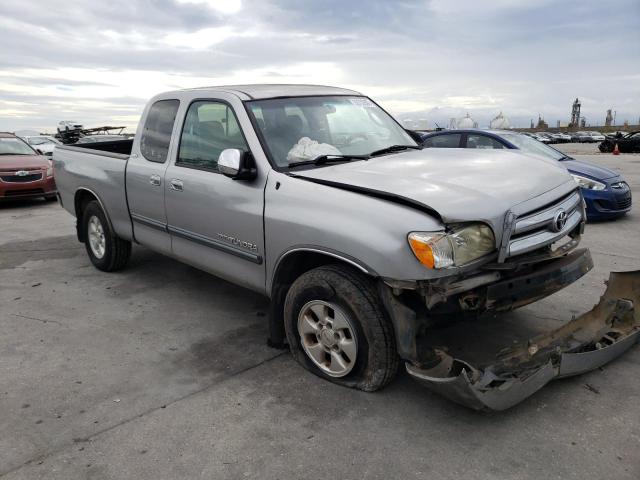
(209, 128)
(156, 136)
(483, 141)
(448, 140)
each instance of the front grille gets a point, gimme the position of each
(17, 193)
(624, 202)
(544, 226)
(31, 177)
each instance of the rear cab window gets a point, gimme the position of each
(156, 135)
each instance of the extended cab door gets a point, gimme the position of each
(145, 176)
(215, 222)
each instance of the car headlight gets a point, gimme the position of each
(588, 183)
(50, 169)
(459, 246)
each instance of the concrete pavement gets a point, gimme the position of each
(161, 372)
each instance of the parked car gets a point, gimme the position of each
(605, 192)
(23, 172)
(68, 126)
(561, 137)
(317, 198)
(596, 137)
(543, 137)
(42, 144)
(627, 143)
(583, 137)
(100, 138)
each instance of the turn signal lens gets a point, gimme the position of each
(433, 250)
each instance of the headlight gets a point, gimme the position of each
(50, 169)
(461, 245)
(588, 183)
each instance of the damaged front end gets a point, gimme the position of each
(501, 380)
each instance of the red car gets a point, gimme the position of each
(24, 173)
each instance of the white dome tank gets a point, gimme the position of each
(500, 123)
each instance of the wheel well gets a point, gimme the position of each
(289, 268)
(80, 202)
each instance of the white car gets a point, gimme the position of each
(43, 144)
(561, 137)
(597, 137)
(68, 125)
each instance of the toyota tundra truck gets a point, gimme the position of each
(365, 243)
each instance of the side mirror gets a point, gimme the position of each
(236, 164)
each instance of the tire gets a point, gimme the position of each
(345, 297)
(114, 252)
(50, 198)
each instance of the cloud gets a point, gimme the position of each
(100, 61)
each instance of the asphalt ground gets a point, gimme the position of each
(162, 372)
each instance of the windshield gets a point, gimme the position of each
(303, 128)
(14, 146)
(42, 140)
(529, 145)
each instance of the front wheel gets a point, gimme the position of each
(106, 250)
(338, 329)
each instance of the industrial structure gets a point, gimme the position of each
(575, 114)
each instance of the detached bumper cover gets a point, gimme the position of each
(585, 343)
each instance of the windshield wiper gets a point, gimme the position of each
(395, 148)
(323, 159)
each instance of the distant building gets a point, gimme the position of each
(575, 114)
(500, 122)
(542, 125)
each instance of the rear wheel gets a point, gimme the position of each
(106, 250)
(338, 329)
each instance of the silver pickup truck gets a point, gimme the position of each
(366, 244)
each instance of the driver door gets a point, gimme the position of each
(215, 222)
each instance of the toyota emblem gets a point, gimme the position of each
(559, 220)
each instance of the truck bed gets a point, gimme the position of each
(98, 168)
(112, 146)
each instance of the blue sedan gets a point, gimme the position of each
(607, 195)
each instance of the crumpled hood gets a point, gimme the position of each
(17, 162)
(459, 184)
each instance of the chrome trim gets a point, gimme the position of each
(536, 230)
(210, 242)
(545, 237)
(149, 222)
(546, 216)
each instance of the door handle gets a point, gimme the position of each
(154, 180)
(175, 184)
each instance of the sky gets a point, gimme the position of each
(97, 62)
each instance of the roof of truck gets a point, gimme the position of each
(262, 91)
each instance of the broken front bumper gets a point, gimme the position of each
(585, 343)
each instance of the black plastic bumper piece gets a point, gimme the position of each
(545, 280)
